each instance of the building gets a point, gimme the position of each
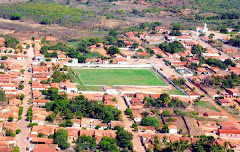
(229, 133)
(70, 87)
(233, 92)
(202, 29)
(172, 129)
(224, 102)
(215, 115)
(40, 103)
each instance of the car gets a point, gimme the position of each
(29, 70)
(161, 69)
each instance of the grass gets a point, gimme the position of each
(144, 77)
(173, 92)
(73, 43)
(80, 86)
(207, 104)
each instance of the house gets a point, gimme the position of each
(20, 57)
(229, 133)
(128, 43)
(8, 140)
(172, 129)
(44, 147)
(14, 102)
(236, 57)
(70, 87)
(121, 60)
(193, 95)
(150, 129)
(50, 38)
(72, 134)
(161, 29)
(224, 102)
(233, 92)
(39, 69)
(215, 115)
(213, 94)
(142, 54)
(117, 123)
(202, 71)
(137, 116)
(229, 51)
(183, 38)
(37, 140)
(86, 122)
(235, 70)
(46, 130)
(40, 103)
(76, 122)
(204, 38)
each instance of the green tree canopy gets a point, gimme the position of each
(60, 138)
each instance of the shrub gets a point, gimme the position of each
(10, 119)
(16, 16)
(18, 131)
(46, 21)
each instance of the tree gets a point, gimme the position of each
(165, 128)
(22, 96)
(9, 132)
(113, 50)
(224, 30)
(60, 138)
(2, 96)
(135, 45)
(176, 26)
(123, 137)
(16, 149)
(175, 33)
(113, 33)
(4, 57)
(70, 116)
(150, 121)
(166, 113)
(85, 143)
(18, 131)
(108, 144)
(10, 119)
(16, 16)
(46, 21)
(41, 135)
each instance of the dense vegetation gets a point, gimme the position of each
(10, 41)
(80, 107)
(164, 101)
(172, 47)
(46, 12)
(122, 142)
(228, 81)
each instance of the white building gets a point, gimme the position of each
(172, 129)
(202, 29)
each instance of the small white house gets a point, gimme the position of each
(20, 57)
(172, 129)
(70, 87)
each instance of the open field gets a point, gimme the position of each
(141, 77)
(173, 92)
(80, 86)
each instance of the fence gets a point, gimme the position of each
(169, 80)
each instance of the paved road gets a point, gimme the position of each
(137, 145)
(22, 141)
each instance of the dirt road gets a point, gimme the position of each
(137, 145)
(22, 141)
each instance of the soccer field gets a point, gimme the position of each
(142, 77)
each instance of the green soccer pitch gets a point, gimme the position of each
(140, 77)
